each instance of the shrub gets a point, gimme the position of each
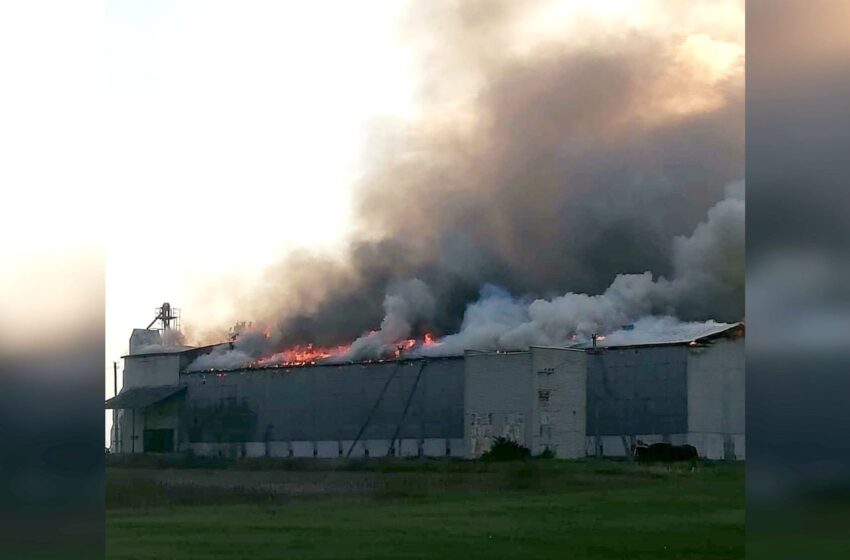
(546, 454)
(504, 449)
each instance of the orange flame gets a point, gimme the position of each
(300, 355)
(308, 354)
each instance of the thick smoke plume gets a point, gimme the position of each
(574, 163)
(708, 268)
(406, 304)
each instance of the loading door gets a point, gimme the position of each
(159, 441)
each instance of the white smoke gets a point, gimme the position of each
(653, 329)
(221, 358)
(405, 304)
(250, 343)
(499, 322)
(708, 265)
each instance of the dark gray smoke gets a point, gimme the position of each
(708, 274)
(708, 269)
(565, 167)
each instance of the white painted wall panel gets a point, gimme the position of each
(559, 402)
(255, 449)
(327, 449)
(146, 371)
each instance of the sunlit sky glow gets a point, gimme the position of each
(237, 131)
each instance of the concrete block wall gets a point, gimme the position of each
(151, 370)
(559, 401)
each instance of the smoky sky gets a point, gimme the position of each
(566, 167)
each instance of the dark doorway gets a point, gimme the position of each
(159, 441)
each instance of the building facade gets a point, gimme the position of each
(573, 402)
(677, 393)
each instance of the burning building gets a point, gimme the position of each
(612, 168)
(586, 398)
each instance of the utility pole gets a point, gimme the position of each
(114, 414)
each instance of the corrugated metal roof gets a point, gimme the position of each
(322, 364)
(141, 397)
(686, 334)
(168, 350)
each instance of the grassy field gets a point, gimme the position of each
(406, 509)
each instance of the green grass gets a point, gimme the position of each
(542, 509)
